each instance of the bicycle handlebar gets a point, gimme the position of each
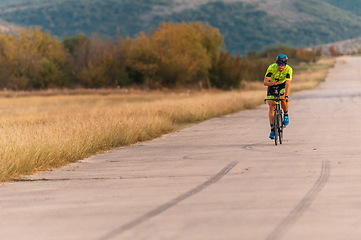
(275, 99)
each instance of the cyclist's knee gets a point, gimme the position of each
(271, 103)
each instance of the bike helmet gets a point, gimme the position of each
(281, 59)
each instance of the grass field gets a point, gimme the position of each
(45, 130)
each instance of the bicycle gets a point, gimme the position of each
(278, 117)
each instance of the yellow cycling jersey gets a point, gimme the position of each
(275, 75)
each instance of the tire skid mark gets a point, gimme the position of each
(169, 204)
(251, 147)
(303, 205)
(261, 147)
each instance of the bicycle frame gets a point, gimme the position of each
(278, 118)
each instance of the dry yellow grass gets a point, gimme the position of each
(309, 76)
(44, 132)
(39, 133)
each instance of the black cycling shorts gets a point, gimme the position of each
(271, 89)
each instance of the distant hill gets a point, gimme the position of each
(246, 24)
(353, 6)
(349, 46)
(6, 27)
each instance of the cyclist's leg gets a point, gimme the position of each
(271, 118)
(271, 111)
(284, 105)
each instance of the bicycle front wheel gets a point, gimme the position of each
(280, 128)
(276, 127)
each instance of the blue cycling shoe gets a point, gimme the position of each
(286, 120)
(272, 135)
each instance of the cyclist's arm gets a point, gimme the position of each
(288, 88)
(267, 82)
(288, 82)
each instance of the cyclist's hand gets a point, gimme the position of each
(287, 99)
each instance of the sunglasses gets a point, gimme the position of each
(281, 64)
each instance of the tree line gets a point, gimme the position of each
(173, 55)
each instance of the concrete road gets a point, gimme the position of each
(221, 179)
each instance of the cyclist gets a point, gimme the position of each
(278, 76)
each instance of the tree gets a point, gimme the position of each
(96, 62)
(141, 59)
(185, 51)
(226, 72)
(26, 60)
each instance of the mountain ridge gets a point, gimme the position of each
(247, 25)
